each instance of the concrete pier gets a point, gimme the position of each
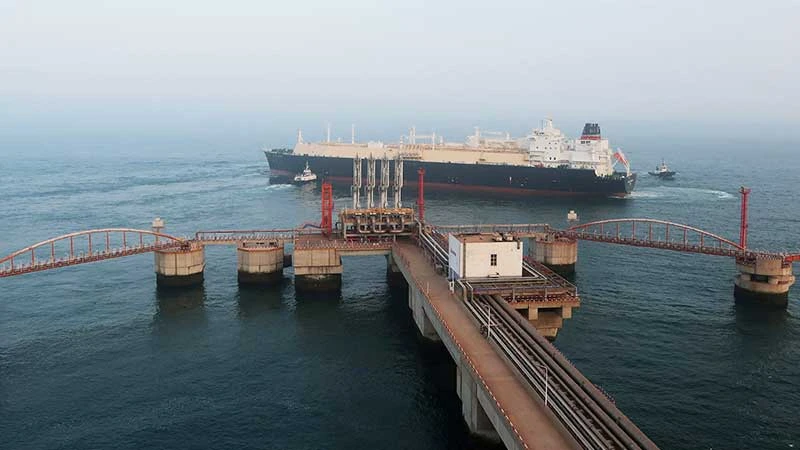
(260, 262)
(763, 280)
(317, 269)
(559, 254)
(180, 267)
(484, 381)
(393, 274)
(472, 410)
(416, 301)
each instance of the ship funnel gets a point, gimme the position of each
(591, 132)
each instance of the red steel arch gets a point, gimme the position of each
(655, 234)
(79, 248)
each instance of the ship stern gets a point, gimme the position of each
(630, 183)
(623, 184)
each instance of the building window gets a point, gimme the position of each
(493, 259)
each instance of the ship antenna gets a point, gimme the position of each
(299, 135)
(328, 138)
(353, 133)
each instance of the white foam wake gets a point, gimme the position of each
(684, 193)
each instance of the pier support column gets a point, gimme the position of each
(260, 263)
(317, 269)
(764, 281)
(394, 276)
(424, 324)
(559, 254)
(472, 410)
(180, 267)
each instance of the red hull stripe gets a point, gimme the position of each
(472, 188)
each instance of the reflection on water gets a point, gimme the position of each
(180, 322)
(254, 301)
(312, 304)
(755, 318)
(173, 301)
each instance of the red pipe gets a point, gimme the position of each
(327, 208)
(743, 225)
(421, 194)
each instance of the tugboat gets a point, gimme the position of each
(662, 171)
(306, 176)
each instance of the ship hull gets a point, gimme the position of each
(474, 177)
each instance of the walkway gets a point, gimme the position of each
(534, 425)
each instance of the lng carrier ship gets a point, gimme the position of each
(545, 161)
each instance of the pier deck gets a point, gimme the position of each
(530, 421)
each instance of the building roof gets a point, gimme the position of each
(479, 237)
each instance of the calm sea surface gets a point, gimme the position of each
(94, 356)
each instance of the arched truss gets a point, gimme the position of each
(654, 234)
(84, 247)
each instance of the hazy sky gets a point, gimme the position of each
(601, 60)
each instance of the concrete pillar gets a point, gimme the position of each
(394, 276)
(180, 267)
(260, 262)
(474, 415)
(764, 281)
(559, 254)
(424, 324)
(317, 269)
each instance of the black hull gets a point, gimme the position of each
(479, 177)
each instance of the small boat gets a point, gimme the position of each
(662, 171)
(306, 176)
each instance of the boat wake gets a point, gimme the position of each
(681, 193)
(278, 187)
